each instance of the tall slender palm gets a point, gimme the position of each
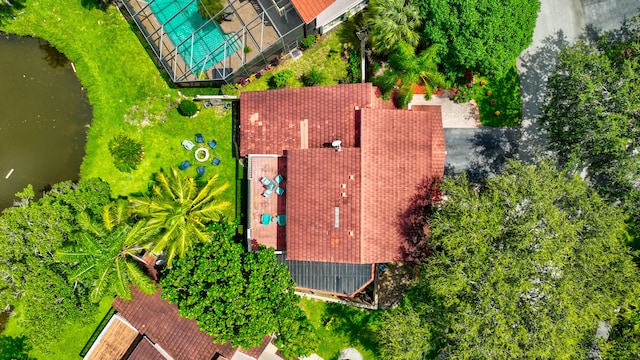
(179, 212)
(104, 254)
(391, 21)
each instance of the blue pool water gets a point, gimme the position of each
(196, 51)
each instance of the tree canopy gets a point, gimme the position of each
(592, 113)
(178, 210)
(525, 267)
(30, 233)
(238, 296)
(481, 35)
(392, 21)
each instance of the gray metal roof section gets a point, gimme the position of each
(337, 278)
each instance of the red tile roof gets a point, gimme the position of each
(145, 351)
(309, 9)
(388, 152)
(322, 180)
(274, 121)
(160, 322)
(397, 155)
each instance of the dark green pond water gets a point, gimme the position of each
(44, 115)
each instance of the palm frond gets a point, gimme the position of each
(213, 210)
(140, 279)
(121, 286)
(164, 184)
(86, 224)
(107, 219)
(100, 285)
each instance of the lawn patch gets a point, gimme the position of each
(499, 100)
(339, 326)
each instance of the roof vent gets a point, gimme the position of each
(337, 144)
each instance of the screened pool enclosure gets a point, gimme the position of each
(238, 41)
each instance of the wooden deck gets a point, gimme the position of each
(114, 342)
(271, 235)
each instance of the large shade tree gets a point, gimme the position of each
(525, 267)
(392, 21)
(481, 35)
(178, 210)
(30, 233)
(238, 296)
(592, 113)
(105, 256)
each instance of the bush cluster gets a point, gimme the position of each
(126, 152)
(314, 77)
(187, 107)
(281, 79)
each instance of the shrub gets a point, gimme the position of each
(281, 79)
(314, 77)
(208, 8)
(126, 152)
(492, 101)
(187, 108)
(489, 92)
(308, 41)
(497, 113)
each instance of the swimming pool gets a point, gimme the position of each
(197, 51)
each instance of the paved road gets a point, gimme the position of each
(482, 151)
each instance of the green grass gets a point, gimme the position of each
(338, 327)
(127, 93)
(72, 339)
(325, 56)
(505, 93)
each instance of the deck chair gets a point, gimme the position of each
(215, 161)
(279, 179)
(267, 193)
(199, 138)
(279, 190)
(200, 170)
(212, 144)
(184, 165)
(188, 145)
(265, 219)
(281, 219)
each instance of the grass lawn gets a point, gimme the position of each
(325, 56)
(72, 339)
(339, 327)
(504, 97)
(127, 93)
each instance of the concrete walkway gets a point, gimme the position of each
(454, 115)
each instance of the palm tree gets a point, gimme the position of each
(391, 21)
(105, 255)
(406, 69)
(179, 212)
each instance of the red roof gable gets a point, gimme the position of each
(309, 9)
(323, 205)
(160, 322)
(277, 120)
(397, 155)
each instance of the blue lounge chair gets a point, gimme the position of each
(215, 161)
(265, 219)
(279, 179)
(267, 193)
(200, 170)
(265, 181)
(188, 144)
(279, 190)
(184, 165)
(281, 219)
(212, 144)
(199, 138)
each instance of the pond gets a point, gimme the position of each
(44, 115)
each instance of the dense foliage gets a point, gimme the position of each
(8, 7)
(406, 68)
(126, 152)
(209, 8)
(178, 211)
(30, 233)
(281, 79)
(525, 267)
(314, 77)
(104, 255)
(238, 296)
(591, 113)
(392, 21)
(14, 348)
(187, 107)
(484, 36)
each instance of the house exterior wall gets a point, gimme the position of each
(338, 12)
